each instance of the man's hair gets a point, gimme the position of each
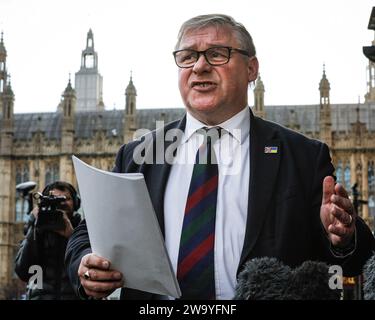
(64, 186)
(219, 20)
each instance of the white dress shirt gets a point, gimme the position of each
(233, 155)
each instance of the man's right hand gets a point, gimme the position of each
(35, 212)
(102, 281)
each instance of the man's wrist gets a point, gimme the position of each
(82, 293)
(346, 251)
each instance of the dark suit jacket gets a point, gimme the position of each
(285, 196)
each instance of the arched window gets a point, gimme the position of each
(339, 172)
(371, 188)
(371, 205)
(22, 173)
(52, 173)
(347, 177)
(371, 178)
(56, 172)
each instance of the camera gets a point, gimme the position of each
(49, 216)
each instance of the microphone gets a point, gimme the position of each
(310, 281)
(262, 279)
(369, 279)
(269, 279)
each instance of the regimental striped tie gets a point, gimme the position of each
(195, 272)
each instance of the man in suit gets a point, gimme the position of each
(271, 192)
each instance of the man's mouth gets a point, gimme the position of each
(202, 84)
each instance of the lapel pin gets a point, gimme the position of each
(270, 149)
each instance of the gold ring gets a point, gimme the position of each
(86, 275)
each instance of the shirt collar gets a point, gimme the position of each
(238, 126)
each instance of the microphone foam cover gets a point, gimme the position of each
(262, 279)
(310, 281)
(369, 279)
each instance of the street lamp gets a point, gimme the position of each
(356, 201)
(24, 189)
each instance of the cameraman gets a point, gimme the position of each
(45, 247)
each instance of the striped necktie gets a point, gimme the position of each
(195, 271)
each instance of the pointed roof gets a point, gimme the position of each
(90, 36)
(324, 83)
(69, 89)
(3, 51)
(89, 51)
(8, 88)
(259, 86)
(130, 89)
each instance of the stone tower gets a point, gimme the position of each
(7, 185)
(325, 111)
(259, 98)
(370, 95)
(88, 81)
(130, 117)
(3, 70)
(67, 133)
(359, 162)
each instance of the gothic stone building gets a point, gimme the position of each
(39, 146)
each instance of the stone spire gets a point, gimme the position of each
(3, 70)
(259, 98)
(325, 110)
(130, 117)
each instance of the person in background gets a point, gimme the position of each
(44, 246)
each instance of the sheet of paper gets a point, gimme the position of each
(123, 228)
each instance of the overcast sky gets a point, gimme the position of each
(44, 40)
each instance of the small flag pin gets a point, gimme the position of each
(270, 149)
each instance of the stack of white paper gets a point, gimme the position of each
(123, 228)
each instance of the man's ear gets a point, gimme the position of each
(253, 67)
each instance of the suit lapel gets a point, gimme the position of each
(264, 165)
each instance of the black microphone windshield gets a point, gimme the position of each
(269, 279)
(262, 279)
(369, 279)
(310, 281)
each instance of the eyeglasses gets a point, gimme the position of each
(216, 56)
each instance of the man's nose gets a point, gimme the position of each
(201, 65)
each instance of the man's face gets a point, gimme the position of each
(213, 94)
(67, 205)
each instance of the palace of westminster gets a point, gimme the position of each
(38, 146)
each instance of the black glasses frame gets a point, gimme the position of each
(199, 53)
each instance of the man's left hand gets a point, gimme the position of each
(67, 232)
(337, 213)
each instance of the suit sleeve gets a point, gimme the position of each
(365, 243)
(119, 162)
(28, 252)
(78, 246)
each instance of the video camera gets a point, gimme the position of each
(49, 216)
